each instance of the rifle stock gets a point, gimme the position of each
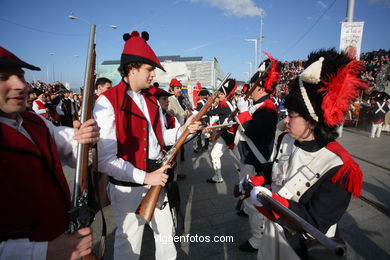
(300, 225)
(148, 204)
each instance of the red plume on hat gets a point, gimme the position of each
(8, 59)
(273, 74)
(341, 89)
(175, 83)
(137, 50)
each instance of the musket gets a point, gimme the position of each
(246, 97)
(299, 225)
(230, 124)
(82, 214)
(148, 204)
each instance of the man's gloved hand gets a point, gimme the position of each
(242, 104)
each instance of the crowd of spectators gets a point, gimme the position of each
(61, 105)
(54, 102)
(377, 74)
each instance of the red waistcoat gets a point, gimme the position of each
(132, 126)
(34, 194)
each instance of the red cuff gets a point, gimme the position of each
(278, 198)
(257, 180)
(245, 116)
(263, 211)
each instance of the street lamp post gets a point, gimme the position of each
(53, 73)
(250, 67)
(248, 75)
(92, 34)
(255, 41)
(261, 38)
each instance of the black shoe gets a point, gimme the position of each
(242, 213)
(247, 247)
(212, 181)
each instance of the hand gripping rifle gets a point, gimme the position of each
(148, 204)
(299, 225)
(247, 96)
(82, 214)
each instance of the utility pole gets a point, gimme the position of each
(260, 41)
(350, 10)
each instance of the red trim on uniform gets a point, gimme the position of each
(245, 116)
(269, 106)
(278, 198)
(223, 104)
(354, 176)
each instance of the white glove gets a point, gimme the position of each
(242, 105)
(240, 188)
(256, 190)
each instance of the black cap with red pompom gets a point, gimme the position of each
(137, 50)
(9, 60)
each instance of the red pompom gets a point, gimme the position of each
(135, 34)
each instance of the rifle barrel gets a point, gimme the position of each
(300, 225)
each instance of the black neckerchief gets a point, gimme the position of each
(262, 99)
(308, 146)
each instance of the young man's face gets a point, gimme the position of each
(164, 102)
(104, 87)
(13, 92)
(176, 91)
(141, 78)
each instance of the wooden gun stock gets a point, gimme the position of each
(148, 204)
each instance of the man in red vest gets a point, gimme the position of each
(39, 105)
(34, 194)
(133, 136)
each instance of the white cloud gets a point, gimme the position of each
(239, 8)
(380, 2)
(322, 4)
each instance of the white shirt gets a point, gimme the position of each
(67, 151)
(115, 166)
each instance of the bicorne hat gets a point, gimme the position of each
(271, 76)
(325, 89)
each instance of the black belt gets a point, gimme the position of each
(152, 165)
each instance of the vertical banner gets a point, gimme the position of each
(351, 38)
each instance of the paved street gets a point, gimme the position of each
(209, 208)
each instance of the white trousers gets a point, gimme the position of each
(256, 222)
(376, 130)
(217, 151)
(274, 245)
(130, 226)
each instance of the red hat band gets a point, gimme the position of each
(137, 50)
